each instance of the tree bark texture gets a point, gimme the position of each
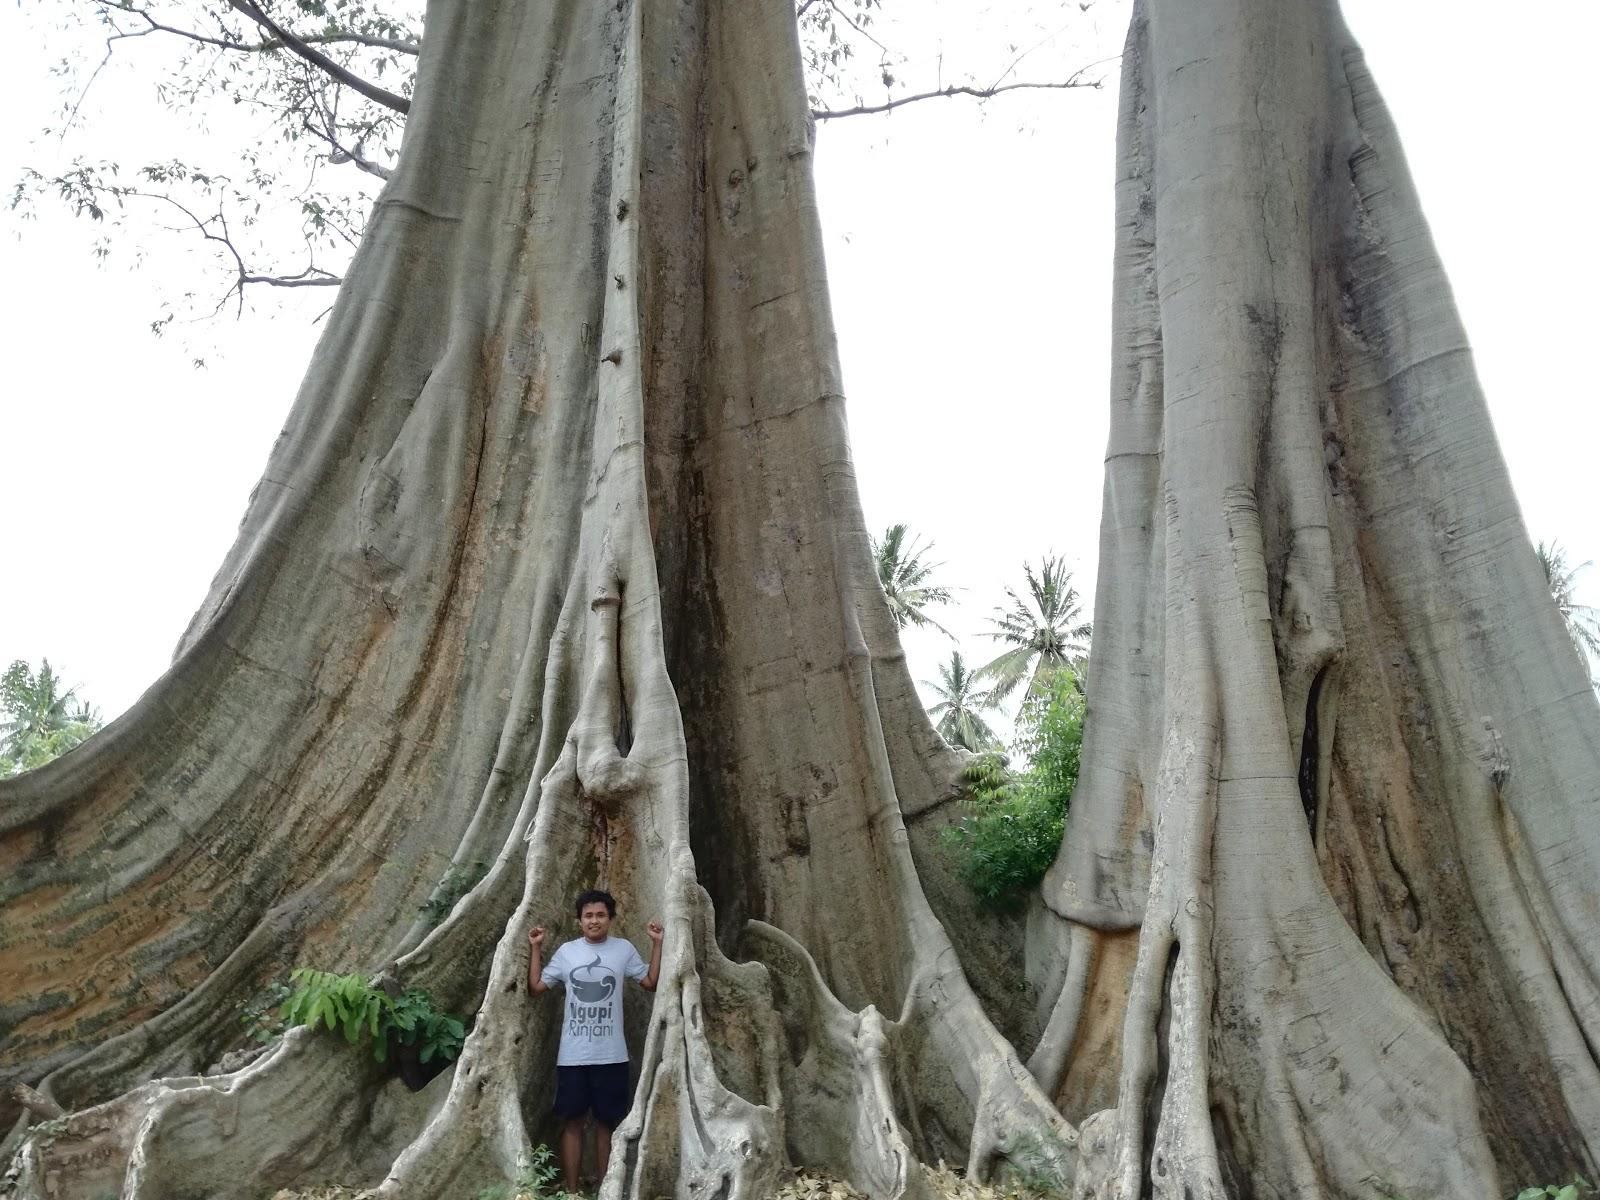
(558, 565)
(1326, 919)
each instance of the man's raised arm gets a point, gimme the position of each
(648, 983)
(536, 985)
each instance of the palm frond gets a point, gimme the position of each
(1582, 621)
(1007, 671)
(39, 719)
(903, 574)
(1042, 625)
(959, 711)
(970, 732)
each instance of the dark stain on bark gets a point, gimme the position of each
(1311, 755)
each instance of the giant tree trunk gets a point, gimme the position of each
(1326, 920)
(558, 565)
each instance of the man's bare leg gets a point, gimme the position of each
(602, 1150)
(572, 1151)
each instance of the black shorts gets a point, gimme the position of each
(601, 1087)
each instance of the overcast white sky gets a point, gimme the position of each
(969, 254)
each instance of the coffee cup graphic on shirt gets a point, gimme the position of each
(597, 987)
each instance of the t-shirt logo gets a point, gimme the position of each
(590, 1012)
(593, 973)
(592, 983)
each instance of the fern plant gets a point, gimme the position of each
(1576, 1190)
(535, 1181)
(1035, 1164)
(416, 1022)
(349, 1005)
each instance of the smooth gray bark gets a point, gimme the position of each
(558, 565)
(1324, 921)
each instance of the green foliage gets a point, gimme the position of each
(295, 152)
(1037, 1163)
(1050, 737)
(349, 1005)
(1005, 848)
(39, 719)
(418, 1023)
(904, 576)
(457, 882)
(1576, 1190)
(959, 709)
(989, 780)
(1042, 632)
(536, 1181)
(1012, 823)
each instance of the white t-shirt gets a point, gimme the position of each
(591, 1027)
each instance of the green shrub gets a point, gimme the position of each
(348, 1004)
(1050, 737)
(1012, 823)
(536, 1181)
(1576, 1190)
(1036, 1163)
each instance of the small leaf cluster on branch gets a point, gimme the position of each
(332, 82)
(329, 82)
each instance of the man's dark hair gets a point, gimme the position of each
(595, 896)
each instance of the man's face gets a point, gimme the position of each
(595, 921)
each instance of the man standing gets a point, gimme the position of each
(592, 1066)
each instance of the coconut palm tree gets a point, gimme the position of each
(39, 719)
(1582, 620)
(1042, 633)
(903, 574)
(959, 711)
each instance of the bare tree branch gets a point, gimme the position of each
(312, 276)
(854, 24)
(341, 152)
(1049, 37)
(317, 59)
(84, 94)
(828, 114)
(398, 45)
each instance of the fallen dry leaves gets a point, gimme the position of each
(802, 1185)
